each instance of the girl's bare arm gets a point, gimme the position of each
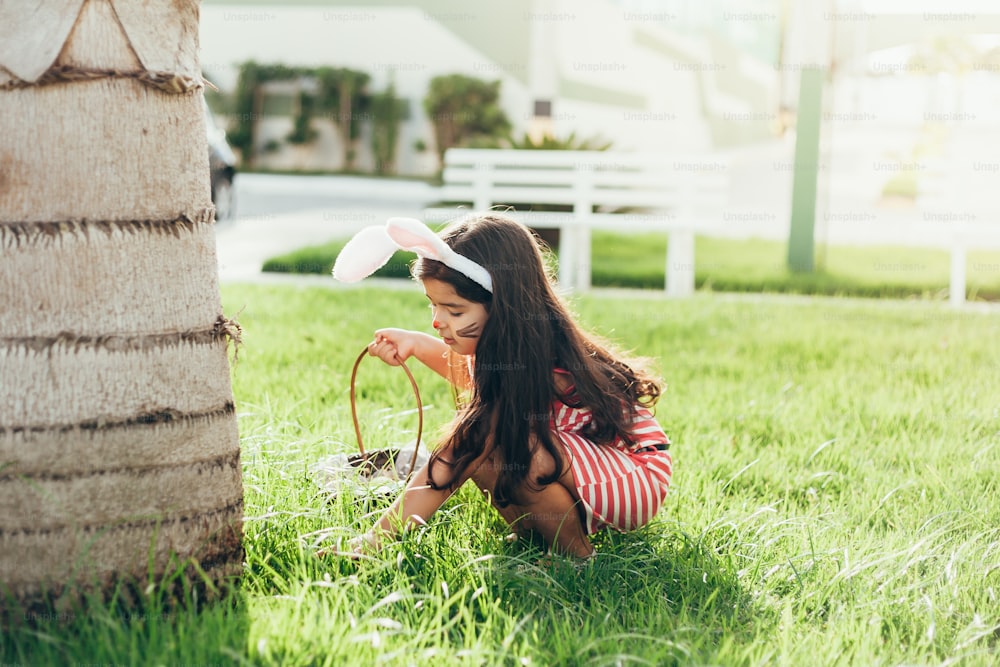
(392, 344)
(415, 505)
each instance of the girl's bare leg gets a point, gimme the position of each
(551, 510)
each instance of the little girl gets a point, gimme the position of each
(553, 426)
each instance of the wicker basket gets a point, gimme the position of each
(376, 471)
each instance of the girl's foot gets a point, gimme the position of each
(552, 560)
(525, 537)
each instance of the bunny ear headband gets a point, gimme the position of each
(372, 247)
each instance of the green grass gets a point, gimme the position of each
(835, 503)
(727, 265)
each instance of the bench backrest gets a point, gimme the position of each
(581, 179)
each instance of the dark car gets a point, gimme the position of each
(222, 167)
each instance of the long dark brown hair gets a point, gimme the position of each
(528, 334)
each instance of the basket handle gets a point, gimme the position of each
(416, 394)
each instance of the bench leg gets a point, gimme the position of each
(956, 290)
(582, 259)
(680, 264)
(567, 255)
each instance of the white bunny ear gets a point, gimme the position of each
(415, 236)
(364, 254)
(371, 248)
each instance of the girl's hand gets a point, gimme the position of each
(361, 546)
(393, 345)
(397, 345)
(356, 548)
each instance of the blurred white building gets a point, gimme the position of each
(637, 74)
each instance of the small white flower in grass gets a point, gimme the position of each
(261, 645)
(444, 588)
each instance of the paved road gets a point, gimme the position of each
(276, 214)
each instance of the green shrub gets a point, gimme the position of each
(319, 259)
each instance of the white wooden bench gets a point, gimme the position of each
(629, 192)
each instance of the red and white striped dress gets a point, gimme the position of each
(620, 487)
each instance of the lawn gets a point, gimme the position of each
(835, 503)
(739, 265)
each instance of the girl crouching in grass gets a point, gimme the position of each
(556, 428)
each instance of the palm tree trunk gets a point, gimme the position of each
(118, 439)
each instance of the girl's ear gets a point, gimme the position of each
(364, 254)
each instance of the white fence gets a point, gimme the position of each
(620, 191)
(680, 196)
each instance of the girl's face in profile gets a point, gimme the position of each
(458, 321)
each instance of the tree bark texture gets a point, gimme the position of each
(118, 438)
